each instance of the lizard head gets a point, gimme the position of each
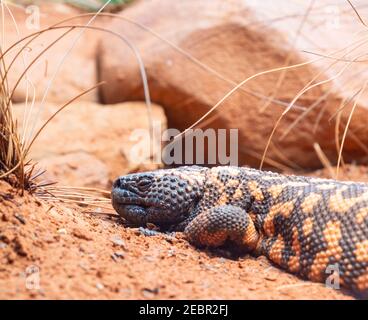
(162, 197)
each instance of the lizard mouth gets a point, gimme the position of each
(138, 210)
(129, 205)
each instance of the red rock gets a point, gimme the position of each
(227, 37)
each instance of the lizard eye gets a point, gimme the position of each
(144, 184)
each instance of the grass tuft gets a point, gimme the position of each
(12, 159)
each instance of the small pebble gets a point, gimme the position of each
(188, 281)
(100, 286)
(117, 255)
(92, 256)
(171, 253)
(150, 293)
(171, 237)
(62, 231)
(20, 218)
(270, 277)
(49, 238)
(116, 240)
(81, 234)
(148, 232)
(83, 266)
(149, 258)
(125, 291)
(114, 257)
(151, 226)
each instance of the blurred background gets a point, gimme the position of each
(90, 5)
(194, 53)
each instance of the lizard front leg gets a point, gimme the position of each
(215, 226)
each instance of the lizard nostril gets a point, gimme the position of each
(117, 183)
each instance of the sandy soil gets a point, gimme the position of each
(49, 250)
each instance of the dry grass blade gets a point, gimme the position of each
(26, 78)
(335, 58)
(34, 36)
(57, 112)
(83, 189)
(75, 201)
(307, 88)
(337, 135)
(324, 160)
(233, 90)
(347, 127)
(312, 85)
(13, 149)
(11, 155)
(278, 152)
(344, 103)
(314, 105)
(289, 56)
(185, 54)
(274, 163)
(36, 59)
(82, 196)
(357, 13)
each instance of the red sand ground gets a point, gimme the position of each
(49, 250)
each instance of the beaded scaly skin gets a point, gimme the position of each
(302, 224)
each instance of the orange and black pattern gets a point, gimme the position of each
(302, 224)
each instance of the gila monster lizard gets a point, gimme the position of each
(301, 224)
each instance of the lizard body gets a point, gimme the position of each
(302, 224)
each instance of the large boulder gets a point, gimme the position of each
(229, 38)
(89, 144)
